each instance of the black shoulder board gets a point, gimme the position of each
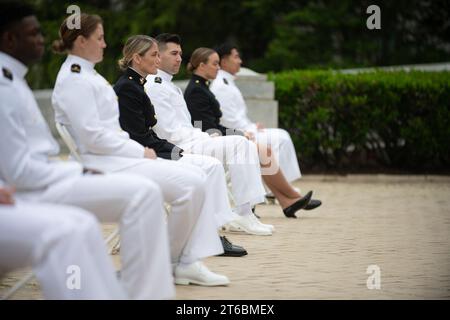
(75, 68)
(225, 81)
(158, 80)
(7, 74)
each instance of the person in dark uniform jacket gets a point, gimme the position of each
(203, 106)
(137, 117)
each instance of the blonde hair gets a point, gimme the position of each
(198, 56)
(139, 44)
(67, 37)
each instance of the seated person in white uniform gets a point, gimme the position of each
(26, 150)
(54, 240)
(234, 115)
(87, 105)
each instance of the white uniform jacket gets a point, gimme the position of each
(93, 123)
(174, 121)
(26, 144)
(232, 103)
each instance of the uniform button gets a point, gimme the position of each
(131, 78)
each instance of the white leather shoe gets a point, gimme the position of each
(247, 225)
(198, 273)
(259, 223)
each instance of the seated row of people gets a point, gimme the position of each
(133, 169)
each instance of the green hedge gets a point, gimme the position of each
(374, 121)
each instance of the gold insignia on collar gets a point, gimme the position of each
(196, 81)
(207, 83)
(131, 78)
(142, 81)
(75, 68)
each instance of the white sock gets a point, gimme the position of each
(243, 210)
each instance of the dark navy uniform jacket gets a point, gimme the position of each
(137, 115)
(203, 106)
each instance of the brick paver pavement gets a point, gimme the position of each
(399, 223)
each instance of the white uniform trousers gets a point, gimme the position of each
(192, 227)
(283, 148)
(58, 241)
(216, 196)
(240, 157)
(137, 205)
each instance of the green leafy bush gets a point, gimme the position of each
(380, 121)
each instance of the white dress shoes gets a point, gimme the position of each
(258, 222)
(198, 273)
(248, 225)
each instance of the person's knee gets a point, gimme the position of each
(68, 228)
(214, 162)
(76, 220)
(198, 181)
(210, 164)
(151, 188)
(239, 140)
(129, 184)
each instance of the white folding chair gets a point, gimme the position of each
(68, 140)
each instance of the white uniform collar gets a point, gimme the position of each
(84, 64)
(14, 65)
(164, 75)
(226, 75)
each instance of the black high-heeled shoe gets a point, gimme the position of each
(290, 211)
(314, 203)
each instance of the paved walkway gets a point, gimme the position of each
(401, 224)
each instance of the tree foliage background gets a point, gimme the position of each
(273, 35)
